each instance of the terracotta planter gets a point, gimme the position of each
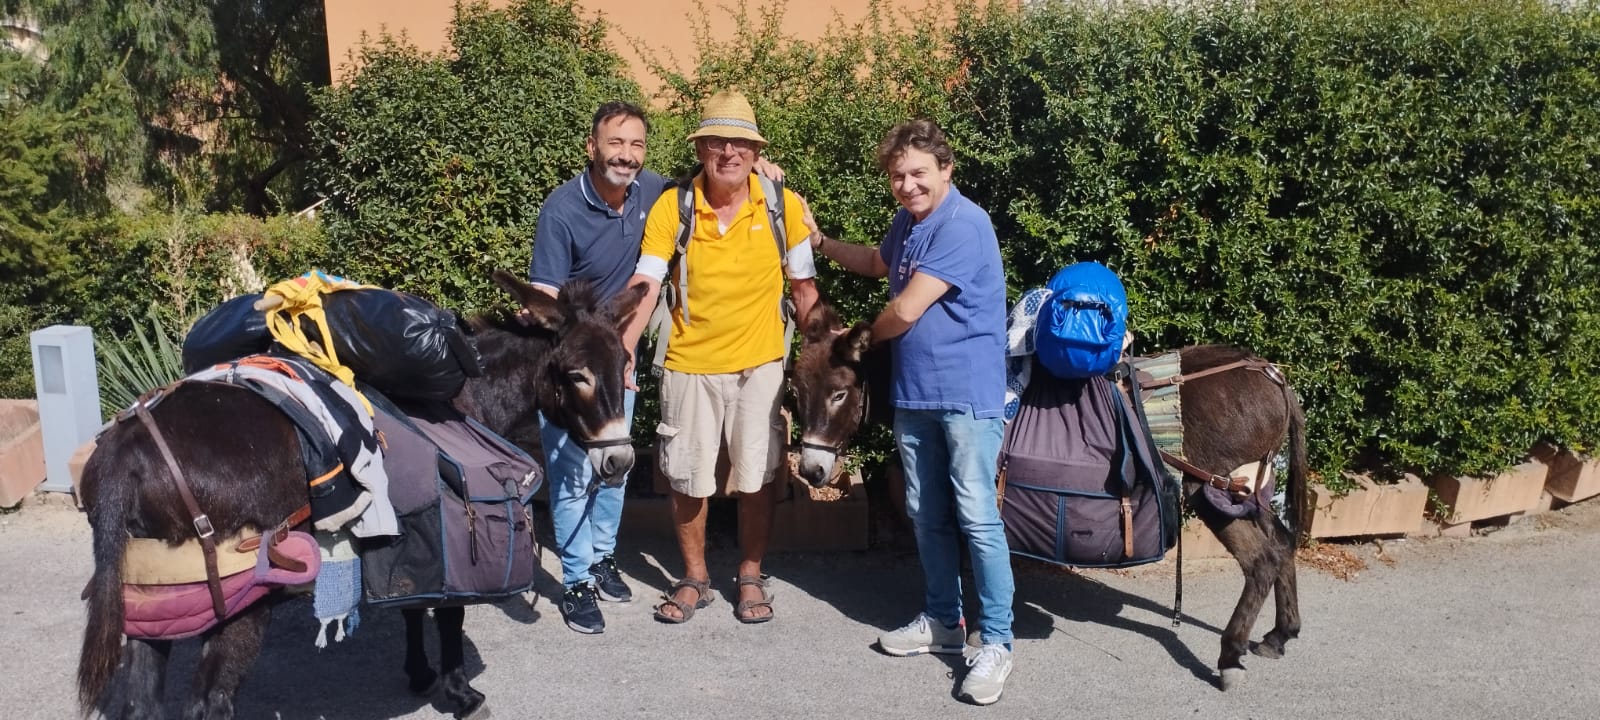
(1198, 542)
(801, 523)
(1573, 478)
(1513, 491)
(1370, 509)
(80, 458)
(21, 450)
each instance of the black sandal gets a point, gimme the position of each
(742, 611)
(685, 610)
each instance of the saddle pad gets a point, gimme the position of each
(174, 612)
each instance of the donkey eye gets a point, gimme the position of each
(578, 377)
(838, 397)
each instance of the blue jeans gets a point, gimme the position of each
(949, 459)
(585, 524)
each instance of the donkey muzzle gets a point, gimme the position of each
(612, 462)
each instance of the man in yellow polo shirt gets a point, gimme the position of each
(722, 381)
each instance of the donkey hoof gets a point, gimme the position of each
(1267, 649)
(1232, 678)
(478, 711)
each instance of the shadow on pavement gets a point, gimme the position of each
(345, 680)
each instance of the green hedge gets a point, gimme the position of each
(1396, 201)
(435, 166)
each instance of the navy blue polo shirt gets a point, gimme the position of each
(580, 236)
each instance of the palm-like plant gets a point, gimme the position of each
(132, 365)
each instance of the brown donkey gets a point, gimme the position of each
(242, 460)
(1230, 418)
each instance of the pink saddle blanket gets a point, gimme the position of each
(173, 612)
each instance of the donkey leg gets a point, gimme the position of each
(422, 679)
(226, 655)
(468, 703)
(1285, 592)
(1250, 548)
(144, 674)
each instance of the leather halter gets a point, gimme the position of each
(605, 443)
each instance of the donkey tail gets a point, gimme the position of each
(112, 496)
(1298, 498)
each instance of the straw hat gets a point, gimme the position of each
(727, 114)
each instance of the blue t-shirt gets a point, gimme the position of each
(953, 357)
(579, 236)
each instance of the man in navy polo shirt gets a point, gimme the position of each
(590, 228)
(946, 325)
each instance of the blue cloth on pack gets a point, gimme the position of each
(1021, 341)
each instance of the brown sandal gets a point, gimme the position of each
(742, 611)
(703, 598)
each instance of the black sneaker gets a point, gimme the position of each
(579, 609)
(609, 581)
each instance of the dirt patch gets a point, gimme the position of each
(1336, 560)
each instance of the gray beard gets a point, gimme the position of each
(613, 176)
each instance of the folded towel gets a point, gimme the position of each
(338, 590)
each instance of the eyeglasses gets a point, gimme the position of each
(717, 144)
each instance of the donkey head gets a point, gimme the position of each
(579, 381)
(830, 389)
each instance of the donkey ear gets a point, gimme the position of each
(820, 322)
(538, 309)
(512, 284)
(626, 303)
(854, 344)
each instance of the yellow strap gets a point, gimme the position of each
(302, 297)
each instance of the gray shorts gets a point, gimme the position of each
(700, 414)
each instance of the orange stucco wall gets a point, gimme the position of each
(423, 22)
(663, 27)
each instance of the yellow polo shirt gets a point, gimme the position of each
(735, 281)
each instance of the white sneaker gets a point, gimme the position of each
(991, 665)
(923, 635)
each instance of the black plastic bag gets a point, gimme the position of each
(398, 343)
(230, 331)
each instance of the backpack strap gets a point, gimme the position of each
(680, 258)
(773, 189)
(660, 323)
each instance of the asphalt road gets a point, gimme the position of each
(1497, 626)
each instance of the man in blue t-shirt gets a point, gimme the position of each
(945, 323)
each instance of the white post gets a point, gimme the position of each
(68, 389)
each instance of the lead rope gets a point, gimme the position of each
(1177, 591)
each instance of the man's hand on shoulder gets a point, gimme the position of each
(769, 169)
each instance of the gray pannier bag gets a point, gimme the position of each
(1078, 485)
(461, 493)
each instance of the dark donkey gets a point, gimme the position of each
(1230, 418)
(242, 461)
